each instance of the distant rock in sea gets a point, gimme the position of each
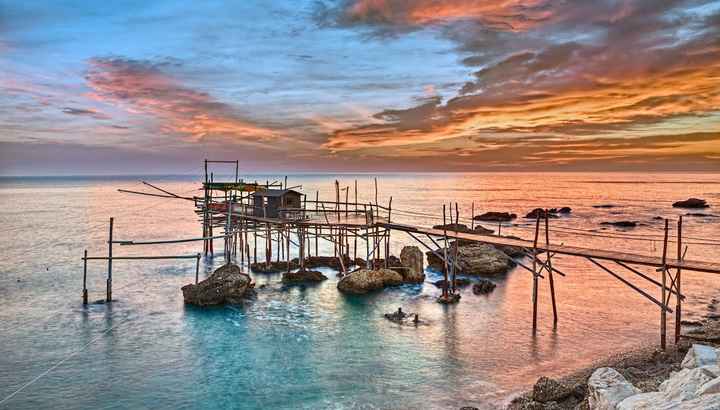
(496, 217)
(621, 224)
(692, 203)
(602, 206)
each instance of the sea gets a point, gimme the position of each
(312, 347)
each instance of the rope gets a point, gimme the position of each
(59, 363)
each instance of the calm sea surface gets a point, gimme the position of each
(312, 347)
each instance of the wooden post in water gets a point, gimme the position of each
(472, 215)
(455, 247)
(678, 299)
(535, 274)
(550, 268)
(108, 296)
(445, 257)
(663, 313)
(85, 292)
(197, 268)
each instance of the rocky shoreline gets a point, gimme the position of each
(647, 377)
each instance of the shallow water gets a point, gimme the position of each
(312, 347)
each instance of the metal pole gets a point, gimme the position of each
(108, 295)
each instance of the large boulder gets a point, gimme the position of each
(692, 203)
(680, 391)
(684, 384)
(363, 281)
(411, 257)
(483, 287)
(273, 266)
(303, 276)
(607, 388)
(476, 259)
(699, 355)
(540, 213)
(228, 284)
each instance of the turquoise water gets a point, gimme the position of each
(312, 347)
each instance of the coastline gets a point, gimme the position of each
(645, 367)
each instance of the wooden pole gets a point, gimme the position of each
(197, 268)
(455, 250)
(85, 292)
(445, 256)
(550, 268)
(376, 196)
(535, 273)
(678, 299)
(663, 313)
(108, 297)
(472, 215)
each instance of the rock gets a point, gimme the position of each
(303, 276)
(397, 316)
(701, 215)
(483, 287)
(684, 384)
(496, 217)
(331, 262)
(604, 206)
(540, 213)
(699, 355)
(453, 227)
(273, 266)
(713, 369)
(363, 280)
(449, 299)
(690, 322)
(476, 259)
(711, 387)
(565, 210)
(411, 257)
(656, 401)
(481, 230)
(228, 284)
(693, 203)
(547, 390)
(621, 224)
(459, 282)
(607, 388)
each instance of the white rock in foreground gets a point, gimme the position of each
(684, 385)
(700, 355)
(607, 388)
(711, 387)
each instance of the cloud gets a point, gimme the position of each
(85, 112)
(143, 88)
(600, 69)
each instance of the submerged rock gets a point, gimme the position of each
(274, 266)
(701, 215)
(459, 283)
(483, 287)
(476, 259)
(604, 206)
(303, 276)
(693, 203)
(228, 284)
(621, 224)
(363, 280)
(496, 217)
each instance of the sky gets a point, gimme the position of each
(359, 85)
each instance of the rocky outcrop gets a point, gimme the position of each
(476, 259)
(692, 203)
(496, 217)
(695, 386)
(273, 266)
(607, 388)
(228, 284)
(621, 224)
(478, 229)
(303, 276)
(332, 262)
(604, 206)
(363, 280)
(483, 287)
(411, 257)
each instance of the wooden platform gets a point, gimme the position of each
(697, 266)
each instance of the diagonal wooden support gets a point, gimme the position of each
(635, 288)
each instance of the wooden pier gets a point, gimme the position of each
(283, 220)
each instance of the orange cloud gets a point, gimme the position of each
(143, 88)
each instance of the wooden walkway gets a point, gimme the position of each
(689, 265)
